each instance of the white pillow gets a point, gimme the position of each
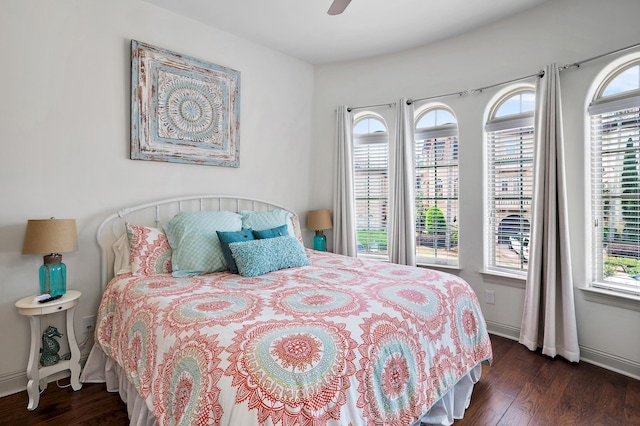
(122, 261)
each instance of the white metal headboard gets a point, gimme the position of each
(158, 213)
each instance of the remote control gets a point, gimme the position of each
(43, 296)
(50, 299)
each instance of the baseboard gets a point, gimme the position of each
(602, 359)
(503, 330)
(16, 381)
(11, 383)
(611, 362)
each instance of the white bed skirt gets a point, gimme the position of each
(454, 403)
(102, 369)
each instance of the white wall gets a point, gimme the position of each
(561, 31)
(64, 120)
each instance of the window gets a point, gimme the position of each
(614, 114)
(371, 176)
(509, 184)
(436, 187)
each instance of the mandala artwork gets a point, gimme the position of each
(189, 109)
(183, 109)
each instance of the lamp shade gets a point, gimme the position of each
(50, 236)
(319, 219)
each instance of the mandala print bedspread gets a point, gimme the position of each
(341, 342)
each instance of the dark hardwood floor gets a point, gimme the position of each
(528, 388)
(91, 405)
(519, 388)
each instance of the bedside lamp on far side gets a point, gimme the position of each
(319, 220)
(52, 236)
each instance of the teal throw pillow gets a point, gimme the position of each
(258, 257)
(279, 231)
(258, 221)
(233, 237)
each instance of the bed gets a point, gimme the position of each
(293, 337)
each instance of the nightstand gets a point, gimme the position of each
(35, 373)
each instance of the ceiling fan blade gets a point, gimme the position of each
(338, 6)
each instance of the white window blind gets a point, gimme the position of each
(371, 180)
(436, 192)
(615, 183)
(509, 186)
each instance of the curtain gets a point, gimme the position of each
(401, 233)
(549, 318)
(344, 206)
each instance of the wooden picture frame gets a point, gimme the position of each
(183, 109)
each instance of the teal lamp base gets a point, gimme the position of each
(320, 242)
(53, 276)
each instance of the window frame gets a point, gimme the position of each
(376, 137)
(442, 138)
(599, 106)
(491, 225)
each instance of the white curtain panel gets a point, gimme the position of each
(344, 205)
(401, 233)
(549, 318)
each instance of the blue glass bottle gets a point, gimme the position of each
(53, 276)
(320, 242)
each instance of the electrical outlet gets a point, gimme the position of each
(88, 324)
(490, 297)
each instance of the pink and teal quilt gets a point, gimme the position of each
(344, 341)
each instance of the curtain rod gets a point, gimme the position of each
(538, 74)
(478, 90)
(349, 109)
(577, 64)
(410, 101)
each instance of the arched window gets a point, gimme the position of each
(368, 124)
(614, 114)
(509, 180)
(371, 180)
(436, 150)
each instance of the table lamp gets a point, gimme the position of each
(52, 236)
(319, 220)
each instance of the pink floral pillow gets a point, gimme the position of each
(150, 250)
(295, 222)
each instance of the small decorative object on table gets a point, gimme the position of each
(50, 347)
(319, 220)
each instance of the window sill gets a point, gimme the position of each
(385, 259)
(379, 258)
(503, 278)
(436, 266)
(612, 298)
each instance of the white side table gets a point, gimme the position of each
(35, 373)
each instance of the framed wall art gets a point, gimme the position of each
(183, 109)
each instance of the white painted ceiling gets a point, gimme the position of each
(302, 28)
